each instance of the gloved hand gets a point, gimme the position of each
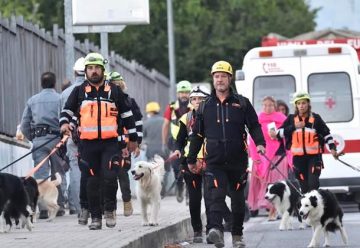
(176, 153)
(334, 154)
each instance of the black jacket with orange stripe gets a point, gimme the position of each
(223, 128)
(125, 115)
(323, 132)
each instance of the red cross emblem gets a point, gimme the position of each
(330, 103)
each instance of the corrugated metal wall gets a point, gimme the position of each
(26, 51)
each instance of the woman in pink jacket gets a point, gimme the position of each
(261, 174)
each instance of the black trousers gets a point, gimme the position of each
(177, 165)
(307, 171)
(194, 184)
(123, 177)
(98, 176)
(220, 182)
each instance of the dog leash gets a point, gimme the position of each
(278, 162)
(44, 180)
(57, 146)
(282, 174)
(347, 164)
(27, 154)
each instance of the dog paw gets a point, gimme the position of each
(153, 224)
(7, 228)
(145, 223)
(326, 245)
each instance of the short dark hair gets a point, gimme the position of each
(48, 80)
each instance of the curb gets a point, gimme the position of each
(167, 235)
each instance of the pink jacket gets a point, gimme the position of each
(271, 144)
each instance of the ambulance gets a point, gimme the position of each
(330, 73)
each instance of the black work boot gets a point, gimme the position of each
(216, 237)
(198, 237)
(60, 212)
(43, 214)
(238, 241)
(95, 224)
(84, 216)
(179, 192)
(110, 217)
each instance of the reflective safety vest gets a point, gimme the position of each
(174, 124)
(98, 116)
(188, 120)
(305, 140)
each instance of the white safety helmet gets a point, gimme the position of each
(79, 66)
(201, 91)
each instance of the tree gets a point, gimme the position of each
(210, 30)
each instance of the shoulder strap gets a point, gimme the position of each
(241, 100)
(202, 106)
(81, 95)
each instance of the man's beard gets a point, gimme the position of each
(184, 100)
(96, 79)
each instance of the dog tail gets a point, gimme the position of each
(58, 179)
(160, 169)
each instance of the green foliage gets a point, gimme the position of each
(205, 30)
(210, 30)
(29, 9)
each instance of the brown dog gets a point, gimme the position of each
(48, 195)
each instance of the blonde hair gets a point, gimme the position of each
(269, 98)
(121, 84)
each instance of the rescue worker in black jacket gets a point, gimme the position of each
(123, 174)
(100, 108)
(306, 133)
(221, 124)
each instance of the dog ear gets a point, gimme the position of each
(298, 203)
(313, 201)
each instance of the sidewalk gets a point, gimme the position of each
(174, 224)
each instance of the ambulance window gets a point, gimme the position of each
(280, 87)
(331, 96)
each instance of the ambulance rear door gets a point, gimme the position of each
(330, 75)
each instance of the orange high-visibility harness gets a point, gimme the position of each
(98, 116)
(305, 140)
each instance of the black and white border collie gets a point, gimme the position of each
(321, 210)
(13, 202)
(284, 198)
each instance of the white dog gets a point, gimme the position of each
(48, 195)
(150, 176)
(320, 209)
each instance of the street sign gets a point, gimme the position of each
(110, 12)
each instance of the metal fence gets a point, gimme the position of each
(26, 51)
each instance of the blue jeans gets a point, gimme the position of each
(75, 174)
(54, 164)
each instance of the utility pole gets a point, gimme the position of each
(171, 44)
(69, 41)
